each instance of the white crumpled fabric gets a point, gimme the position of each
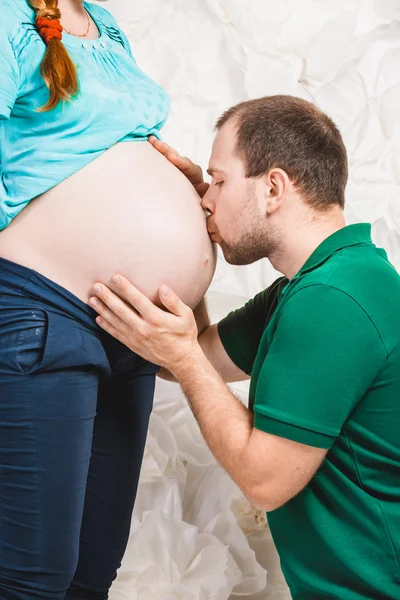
(194, 536)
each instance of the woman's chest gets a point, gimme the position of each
(113, 91)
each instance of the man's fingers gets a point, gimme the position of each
(184, 164)
(135, 298)
(164, 148)
(192, 171)
(180, 162)
(158, 143)
(202, 189)
(172, 302)
(154, 141)
(110, 329)
(112, 309)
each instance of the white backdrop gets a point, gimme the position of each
(194, 537)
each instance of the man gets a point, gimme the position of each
(319, 446)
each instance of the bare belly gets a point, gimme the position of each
(129, 211)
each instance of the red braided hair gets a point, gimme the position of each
(49, 29)
(57, 68)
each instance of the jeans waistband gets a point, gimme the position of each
(22, 284)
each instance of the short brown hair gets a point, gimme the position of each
(294, 135)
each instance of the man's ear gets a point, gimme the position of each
(277, 184)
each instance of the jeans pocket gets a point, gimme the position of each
(32, 339)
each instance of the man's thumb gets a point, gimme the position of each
(170, 300)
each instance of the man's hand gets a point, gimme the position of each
(164, 338)
(193, 172)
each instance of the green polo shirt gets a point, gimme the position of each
(323, 352)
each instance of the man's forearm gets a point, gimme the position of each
(225, 422)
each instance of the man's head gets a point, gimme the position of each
(275, 161)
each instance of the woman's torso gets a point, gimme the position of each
(96, 211)
(128, 211)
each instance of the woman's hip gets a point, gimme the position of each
(44, 327)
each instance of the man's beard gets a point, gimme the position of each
(252, 246)
(258, 240)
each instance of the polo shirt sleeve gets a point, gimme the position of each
(9, 74)
(325, 354)
(241, 330)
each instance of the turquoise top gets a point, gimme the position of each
(117, 102)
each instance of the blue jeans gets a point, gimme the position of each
(74, 411)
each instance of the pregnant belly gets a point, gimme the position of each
(129, 211)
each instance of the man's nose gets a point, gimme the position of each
(207, 202)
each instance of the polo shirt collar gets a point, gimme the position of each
(351, 235)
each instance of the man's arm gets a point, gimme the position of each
(234, 361)
(320, 363)
(269, 470)
(212, 347)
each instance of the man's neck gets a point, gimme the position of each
(304, 240)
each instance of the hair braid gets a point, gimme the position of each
(57, 68)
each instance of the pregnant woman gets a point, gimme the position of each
(82, 195)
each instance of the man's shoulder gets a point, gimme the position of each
(273, 291)
(367, 280)
(264, 304)
(363, 272)
(258, 309)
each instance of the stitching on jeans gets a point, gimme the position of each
(44, 344)
(38, 474)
